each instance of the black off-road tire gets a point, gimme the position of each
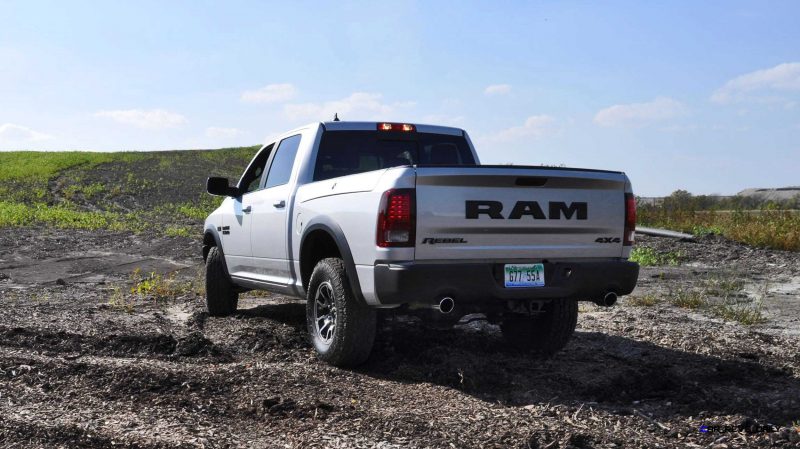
(221, 295)
(355, 325)
(545, 333)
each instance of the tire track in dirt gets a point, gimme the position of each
(29, 431)
(63, 341)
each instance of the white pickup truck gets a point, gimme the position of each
(359, 216)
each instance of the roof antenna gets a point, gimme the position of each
(335, 117)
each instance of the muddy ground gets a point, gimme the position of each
(79, 370)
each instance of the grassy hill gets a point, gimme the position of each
(162, 192)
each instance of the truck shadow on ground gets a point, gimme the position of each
(612, 371)
(290, 313)
(618, 373)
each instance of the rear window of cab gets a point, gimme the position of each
(343, 153)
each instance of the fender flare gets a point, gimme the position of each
(333, 229)
(210, 230)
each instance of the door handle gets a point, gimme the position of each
(280, 205)
(247, 209)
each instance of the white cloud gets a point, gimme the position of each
(404, 104)
(271, 93)
(358, 106)
(640, 114)
(216, 132)
(442, 119)
(18, 134)
(685, 128)
(782, 77)
(145, 119)
(497, 89)
(535, 126)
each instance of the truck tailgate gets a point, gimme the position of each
(518, 213)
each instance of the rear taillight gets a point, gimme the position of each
(630, 219)
(397, 218)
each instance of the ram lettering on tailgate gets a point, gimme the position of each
(555, 209)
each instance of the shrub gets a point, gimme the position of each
(647, 300)
(688, 298)
(650, 257)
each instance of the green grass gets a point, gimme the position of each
(199, 210)
(44, 165)
(154, 288)
(649, 257)
(120, 301)
(163, 287)
(721, 295)
(59, 216)
(724, 286)
(734, 305)
(27, 165)
(777, 229)
(744, 313)
(180, 231)
(114, 191)
(702, 229)
(647, 300)
(64, 216)
(87, 191)
(244, 153)
(688, 298)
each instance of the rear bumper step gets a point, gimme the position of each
(476, 283)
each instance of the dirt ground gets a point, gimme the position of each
(77, 371)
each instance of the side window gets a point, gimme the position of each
(252, 177)
(282, 163)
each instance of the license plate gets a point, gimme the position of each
(524, 275)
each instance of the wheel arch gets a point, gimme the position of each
(323, 238)
(210, 239)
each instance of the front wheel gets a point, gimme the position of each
(221, 295)
(342, 329)
(546, 332)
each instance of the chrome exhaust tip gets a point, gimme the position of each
(446, 305)
(608, 300)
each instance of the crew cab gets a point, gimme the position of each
(355, 217)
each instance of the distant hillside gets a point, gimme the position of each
(778, 194)
(136, 191)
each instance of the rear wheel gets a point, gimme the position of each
(221, 295)
(546, 332)
(342, 329)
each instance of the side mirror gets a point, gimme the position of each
(219, 186)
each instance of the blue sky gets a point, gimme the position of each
(703, 96)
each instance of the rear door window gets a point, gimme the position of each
(281, 169)
(343, 153)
